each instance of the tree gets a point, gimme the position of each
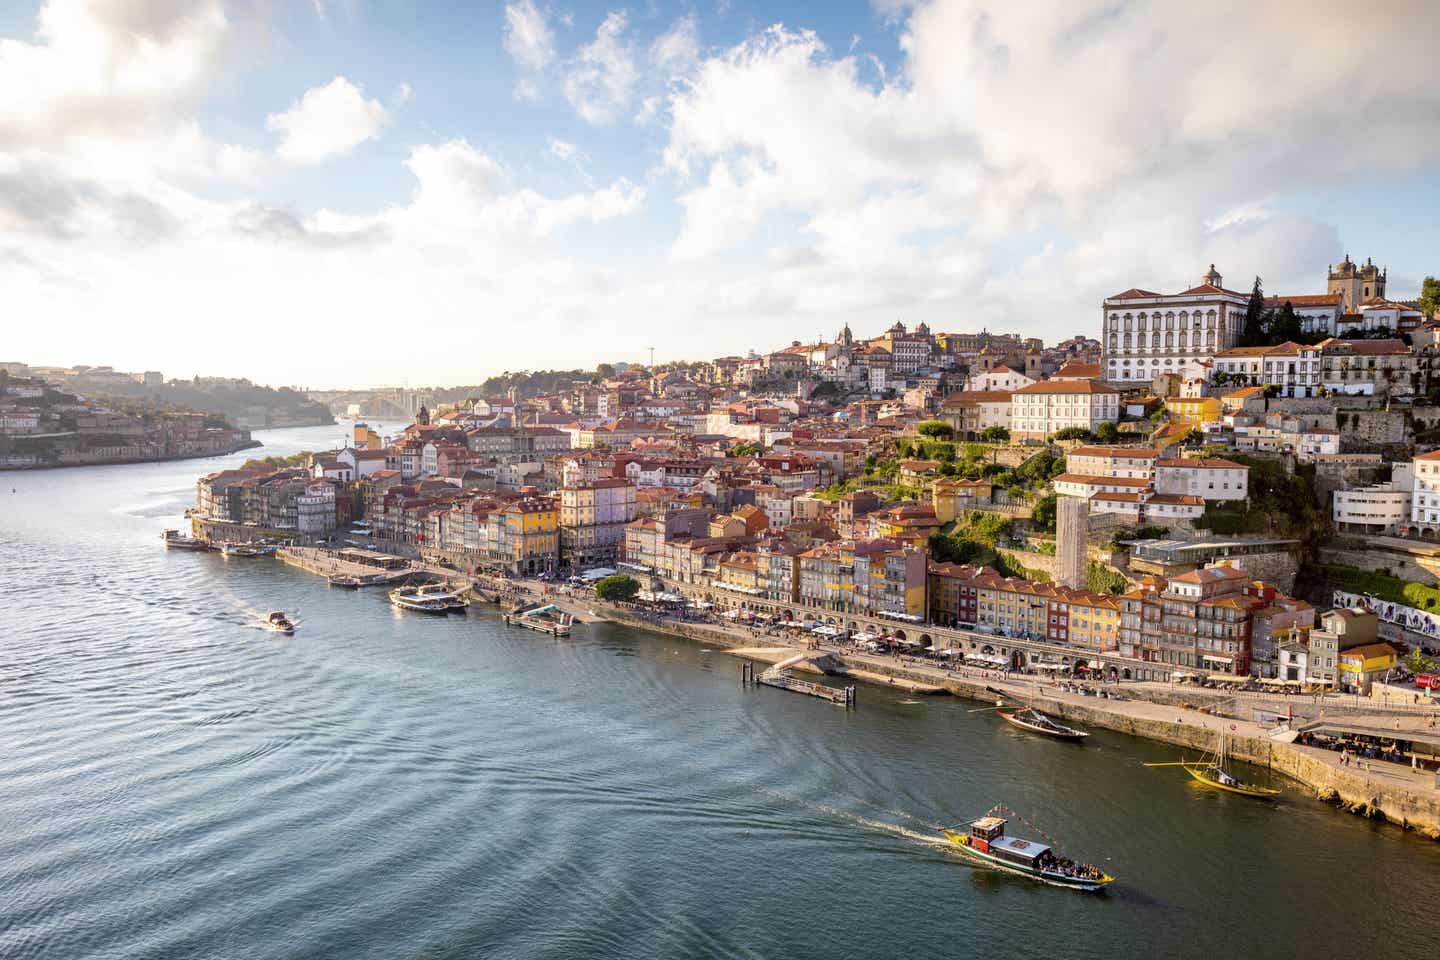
(1418, 661)
(1042, 515)
(1285, 325)
(1253, 333)
(617, 587)
(1107, 432)
(995, 435)
(605, 370)
(1071, 433)
(936, 429)
(1430, 296)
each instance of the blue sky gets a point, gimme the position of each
(364, 192)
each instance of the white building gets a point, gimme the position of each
(1098, 461)
(1293, 367)
(997, 378)
(1377, 508)
(1145, 333)
(1318, 313)
(1039, 410)
(1425, 508)
(1208, 478)
(315, 510)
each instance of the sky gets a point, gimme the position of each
(348, 193)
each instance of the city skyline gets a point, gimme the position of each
(437, 199)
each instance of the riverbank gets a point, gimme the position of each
(122, 461)
(1376, 790)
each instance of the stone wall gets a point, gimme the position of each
(1362, 430)
(1376, 561)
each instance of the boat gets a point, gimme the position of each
(546, 618)
(984, 840)
(1212, 772)
(1037, 722)
(431, 598)
(247, 549)
(280, 623)
(346, 582)
(175, 540)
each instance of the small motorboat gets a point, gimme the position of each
(175, 540)
(279, 623)
(1037, 722)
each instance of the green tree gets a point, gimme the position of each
(1285, 325)
(1107, 432)
(1253, 332)
(936, 429)
(995, 435)
(1418, 661)
(605, 370)
(1430, 296)
(1042, 515)
(1071, 433)
(617, 586)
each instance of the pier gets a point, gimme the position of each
(777, 677)
(368, 570)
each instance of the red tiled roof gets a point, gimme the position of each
(1066, 386)
(1134, 293)
(1135, 453)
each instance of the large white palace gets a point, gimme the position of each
(1146, 333)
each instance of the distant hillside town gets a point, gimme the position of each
(1187, 494)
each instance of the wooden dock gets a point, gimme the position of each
(840, 696)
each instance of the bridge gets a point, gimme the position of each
(383, 403)
(978, 646)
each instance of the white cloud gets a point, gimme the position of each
(326, 122)
(530, 43)
(677, 50)
(600, 78)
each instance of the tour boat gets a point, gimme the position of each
(546, 618)
(432, 598)
(1212, 773)
(1037, 722)
(280, 623)
(984, 840)
(246, 549)
(346, 582)
(175, 540)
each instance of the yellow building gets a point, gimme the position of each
(1195, 410)
(950, 497)
(525, 536)
(1360, 666)
(367, 439)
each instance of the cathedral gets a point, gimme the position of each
(1356, 284)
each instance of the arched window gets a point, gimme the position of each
(1170, 339)
(1114, 341)
(1155, 340)
(1127, 339)
(1169, 321)
(1127, 322)
(1182, 338)
(1210, 339)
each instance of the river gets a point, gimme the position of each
(178, 783)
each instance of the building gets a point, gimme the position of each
(1196, 410)
(1145, 333)
(1425, 505)
(1380, 507)
(593, 517)
(997, 378)
(1355, 284)
(1072, 516)
(1041, 409)
(970, 412)
(1292, 367)
(1359, 667)
(315, 510)
(1206, 477)
(523, 537)
(1368, 367)
(1101, 461)
(1319, 314)
(1199, 620)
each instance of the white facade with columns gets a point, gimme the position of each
(1145, 333)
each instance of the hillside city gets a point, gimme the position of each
(1224, 484)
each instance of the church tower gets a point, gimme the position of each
(1212, 277)
(1356, 284)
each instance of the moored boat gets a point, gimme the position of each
(246, 549)
(280, 623)
(985, 841)
(1212, 772)
(175, 540)
(431, 598)
(1037, 722)
(546, 618)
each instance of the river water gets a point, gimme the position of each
(176, 782)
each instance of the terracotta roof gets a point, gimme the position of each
(1306, 300)
(1363, 347)
(1205, 463)
(1210, 288)
(1134, 453)
(1134, 293)
(1180, 499)
(976, 396)
(1243, 393)
(1112, 481)
(1368, 651)
(1432, 455)
(1288, 348)
(1082, 371)
(1067, 386)
(1118, 497)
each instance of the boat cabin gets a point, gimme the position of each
(988, 835)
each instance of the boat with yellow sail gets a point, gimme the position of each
(1211, 772)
